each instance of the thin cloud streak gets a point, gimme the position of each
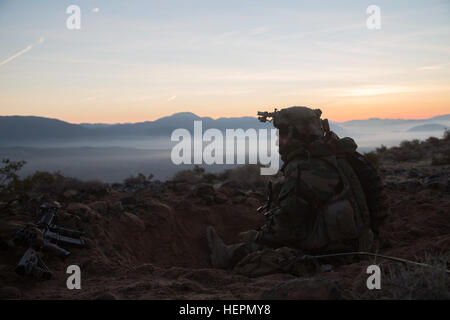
(21, 52)
(435, 67)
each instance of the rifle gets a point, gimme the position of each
(44, 235)
(32, 264)
(265, 209)
(51, 232)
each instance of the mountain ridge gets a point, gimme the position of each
(36, 128)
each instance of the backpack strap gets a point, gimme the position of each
(353, 190)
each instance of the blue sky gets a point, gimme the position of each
(140, 60)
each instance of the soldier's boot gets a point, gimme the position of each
(221, 254)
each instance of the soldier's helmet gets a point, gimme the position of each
(305, 121)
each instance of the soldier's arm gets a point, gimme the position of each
(308, 185)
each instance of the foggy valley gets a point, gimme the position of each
(114, 152)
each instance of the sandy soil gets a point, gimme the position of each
(157, 248)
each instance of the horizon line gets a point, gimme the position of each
(188, 112)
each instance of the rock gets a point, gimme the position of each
(117, 207)
(70, 194)
(229, 188)
(203, 190)
(228, 191)
(180, 186)
(411, 185)
(400, 171)
(146, 268)
(157, 206)
(10, 293)
(136, 224)
(326, 268)
(160, 213)
(184, 204)
(253, 202)
(89, 243)
(9, 228)
(220, 198)
(239, 193)
(100, 206)
(83, 211)
(304, 289)
(390, 185)
(157, 186)
(255, 194)
(239, 199)
(64, 216)
(414, 173)
(106, 296)
(129, 201)
(227, 184)
(117, 187)
(437, 182)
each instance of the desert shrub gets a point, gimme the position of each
(413, 144)
(446, 135)
(373, 158)
(95, 187)
(433, 141)
(137, 180)
(8, 171)
(401, 156)
(442, 159)
(246, 175)
(56, 184)
(420, 283)
(51, 185)
(11, 186)
(194, 175)
(45, 177)
(409, 282)
(210, 177)
(407, 151)
(414, 150)
(405, 144)
(198, 169)
(381, 149)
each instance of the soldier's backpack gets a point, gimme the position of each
(369, 179)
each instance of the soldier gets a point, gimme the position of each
(321, 206)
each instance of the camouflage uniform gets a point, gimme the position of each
(320, 207)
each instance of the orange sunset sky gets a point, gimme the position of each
(142, 60)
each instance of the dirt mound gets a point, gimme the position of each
(149, 243)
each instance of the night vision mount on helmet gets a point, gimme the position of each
(302, 120)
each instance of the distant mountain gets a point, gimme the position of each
(428, 127)
(376, 122)
(26, 130)
(166, 125)
(445, 117)
(30, 127)
(95, 125)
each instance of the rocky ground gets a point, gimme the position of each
(146, 240)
